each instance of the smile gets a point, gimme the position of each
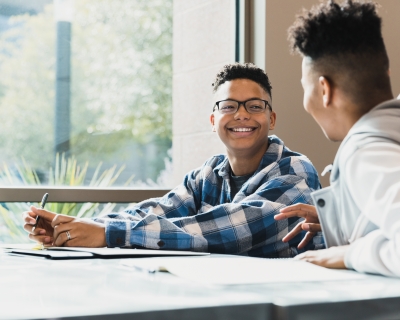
(242, 129)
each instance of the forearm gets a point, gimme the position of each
(374, 253)
(228, 229)
(375, 187)
(231, 228)
(152, 232)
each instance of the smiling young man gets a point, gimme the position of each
(345, 76)
(225, 206)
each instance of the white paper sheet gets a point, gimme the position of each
(228, 270)
(129, 252)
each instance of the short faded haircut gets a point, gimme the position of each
(248, 71)
(344, 40)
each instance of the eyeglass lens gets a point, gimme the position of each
(252, 106)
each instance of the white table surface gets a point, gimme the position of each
(34, 288)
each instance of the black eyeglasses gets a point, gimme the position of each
(230, 106)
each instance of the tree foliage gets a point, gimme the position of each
(121, 87)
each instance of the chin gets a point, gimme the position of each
(332, 137)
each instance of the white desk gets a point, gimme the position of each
(32, 288)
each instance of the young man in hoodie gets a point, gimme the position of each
(225, 206)
(345, 77)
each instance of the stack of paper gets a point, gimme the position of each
(232, 270)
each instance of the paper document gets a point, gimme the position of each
(231, 270)
(105, 253)
(50, 254)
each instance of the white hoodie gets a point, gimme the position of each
(362, 205)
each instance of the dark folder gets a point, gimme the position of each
(60, 253)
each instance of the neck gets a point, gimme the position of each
(369, 104)
(354, 111)
(243, 163)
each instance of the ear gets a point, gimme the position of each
(212, 121)
(272, 120)
(326, 90)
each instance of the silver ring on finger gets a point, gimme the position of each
(68, 235)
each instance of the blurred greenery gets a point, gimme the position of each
(67, 172)
(121, 87)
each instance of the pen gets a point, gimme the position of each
(42, 204)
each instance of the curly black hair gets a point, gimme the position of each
(344, 43)
(242, 71)
(333, 29)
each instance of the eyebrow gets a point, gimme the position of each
(246, 99)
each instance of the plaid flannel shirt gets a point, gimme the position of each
(200, 215)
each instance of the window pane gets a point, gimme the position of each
(91, 79)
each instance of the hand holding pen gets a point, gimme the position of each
(62, 230)
(37, 222)
(42, 204)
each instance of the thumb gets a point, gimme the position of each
(47, 215)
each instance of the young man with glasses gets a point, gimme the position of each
(225, 206)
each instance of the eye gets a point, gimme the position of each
(256, 106)
(226, 106)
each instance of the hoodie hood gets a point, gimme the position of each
(382, 123)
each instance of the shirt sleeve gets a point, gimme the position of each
(174, 222)
(375, 187)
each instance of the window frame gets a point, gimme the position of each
(78, 194)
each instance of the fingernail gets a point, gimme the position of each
(42, 231)
(306, 227)
(47, 239)
(32, 221)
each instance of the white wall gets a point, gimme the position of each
(203, 43)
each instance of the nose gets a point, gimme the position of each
(241, 113)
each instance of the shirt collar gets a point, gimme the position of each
(273, 154)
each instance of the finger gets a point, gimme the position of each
(60, 219)
(34, 230)
(303, 256)
(311, 259)
(312, 227)
(294, 232)
(291, 214)
(306, 239)
(47, 215)
(299, 207)
(61, 228)
(72, 243)
(29, 217)
(46, 240)
(309, 256)
(62, 239)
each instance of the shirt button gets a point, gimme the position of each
(161, 243)
(321, 203)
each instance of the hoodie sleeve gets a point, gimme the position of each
(373, 178)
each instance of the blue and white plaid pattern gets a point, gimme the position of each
(200, 215)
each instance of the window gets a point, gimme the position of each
(88, 80)
(85, 97)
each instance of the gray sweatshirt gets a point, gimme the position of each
(362, 205)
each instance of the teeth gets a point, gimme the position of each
(242, 129)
